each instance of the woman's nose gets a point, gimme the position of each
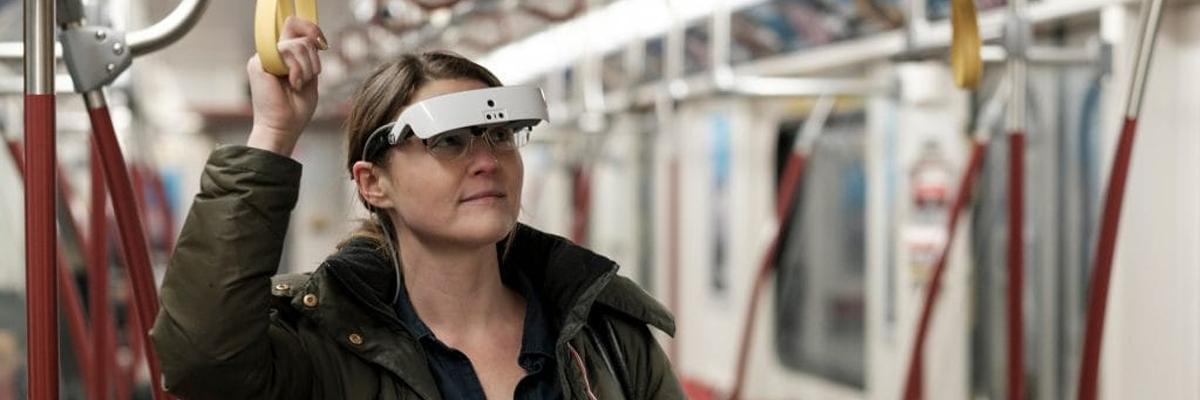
(482, 157)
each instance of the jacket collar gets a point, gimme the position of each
(567, 276)
(357, 283)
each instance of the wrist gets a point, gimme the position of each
(273, 140)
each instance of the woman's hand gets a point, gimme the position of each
(283, 107)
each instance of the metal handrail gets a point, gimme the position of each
(168, 30)
(143, 41)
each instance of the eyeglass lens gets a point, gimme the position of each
(454, 145)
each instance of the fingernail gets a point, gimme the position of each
(322, 43)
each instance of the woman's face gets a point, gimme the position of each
(473, 200)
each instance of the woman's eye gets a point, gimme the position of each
(501, 135)
(450, 141)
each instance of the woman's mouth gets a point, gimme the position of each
(484, 196)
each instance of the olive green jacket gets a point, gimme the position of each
(227, 329)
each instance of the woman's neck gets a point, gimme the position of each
(456, 290)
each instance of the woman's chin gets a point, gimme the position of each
(484, 229)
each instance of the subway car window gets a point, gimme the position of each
(821, 288)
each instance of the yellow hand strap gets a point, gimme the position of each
(269, 16)
(965, 60)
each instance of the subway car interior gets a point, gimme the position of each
(835, 199)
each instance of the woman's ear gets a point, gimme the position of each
(372, 185)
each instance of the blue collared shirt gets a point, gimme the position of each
(456, 377)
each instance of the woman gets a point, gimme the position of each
(441, 295)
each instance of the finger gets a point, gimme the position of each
(254, 68)
(299, 69)
(294, 71)
(307, 54)
(305, 50)
(253, 65)
(315, 60)
(295, 27)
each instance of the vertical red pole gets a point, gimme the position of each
(40, 228)
(40, 244)
(98, 278)
(71, 300)
(913, 385)
(1016, 264)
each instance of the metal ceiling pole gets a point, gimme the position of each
(40, 230)
(1151, 16)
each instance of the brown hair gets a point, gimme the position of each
(384, 94)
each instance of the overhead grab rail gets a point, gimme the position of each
(269, 16)
(965, 44)
(142, 41)
(1151, 16)
(169, 30)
